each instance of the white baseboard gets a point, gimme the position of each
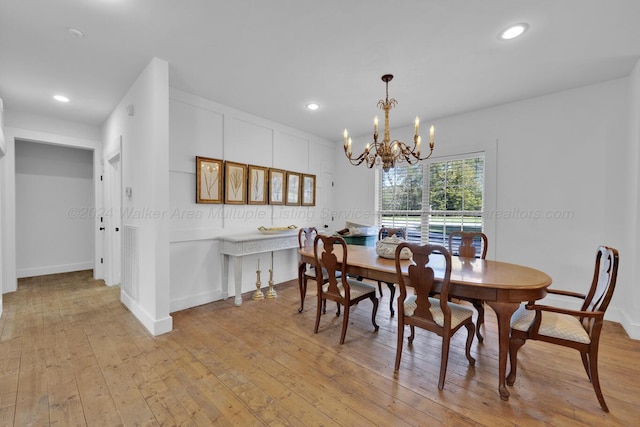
(195, 300)
(53, 269)
(155, 326)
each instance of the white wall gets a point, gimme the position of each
(200, 127)
(565, 152)
(54, 209)
(632, 302)
(145, 169)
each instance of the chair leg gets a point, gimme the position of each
(345, 323)
(302, 283)
(470, 332)
(399, 345)
(444, 360)
(479, 306)
(392, 288)
(585, 363)
(374, 300)
(413, 334)
(380, 288)
(319, 311)
(514, 346)
(338, 310)
(595, 380)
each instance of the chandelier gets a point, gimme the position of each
(388, 152)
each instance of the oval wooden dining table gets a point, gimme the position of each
(502, 285)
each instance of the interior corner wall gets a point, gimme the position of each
(3, 150)
(142, 119)
(632, 304)
(562, 178)
(201, 127)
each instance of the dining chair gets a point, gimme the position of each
(336, 285)
(435, 314)
(306, 271)
(383, 233)
(578, 329)
(466, 249)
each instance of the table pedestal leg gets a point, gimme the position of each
(503, 311)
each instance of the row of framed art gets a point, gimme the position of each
(221, 181)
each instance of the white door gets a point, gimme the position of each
(328, 216)
(113, 196)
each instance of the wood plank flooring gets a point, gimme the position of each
(72, 355)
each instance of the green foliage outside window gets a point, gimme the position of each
(453, 200)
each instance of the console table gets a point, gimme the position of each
(234, 247)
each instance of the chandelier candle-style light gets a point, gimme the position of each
(388, 152)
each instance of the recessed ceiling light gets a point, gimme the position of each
(313, 106)
(76, 33)
(61, 98)
(513, 31)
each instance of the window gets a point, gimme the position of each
(430, 200)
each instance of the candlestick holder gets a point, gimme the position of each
(271, 293)
(257, 295)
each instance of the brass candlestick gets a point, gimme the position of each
(271, 293)
(257, 295)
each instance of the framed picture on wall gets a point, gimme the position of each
(293, 189)
(235, 183)
(208, 180)
(277, 186)
(258, 180)
(308, 190)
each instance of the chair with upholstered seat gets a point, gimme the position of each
(383, 233)
(470, 245)
(578, 329)
(305, 271)
(330, 252)
(435, 314)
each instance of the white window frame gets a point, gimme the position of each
(445, 153)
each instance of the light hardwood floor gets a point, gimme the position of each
(71, 354)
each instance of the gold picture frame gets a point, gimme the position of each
(235, 183)
(209, 175)
(257, 185)
(293, 188)
(277, 186)
(308, 190)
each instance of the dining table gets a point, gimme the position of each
(502, 285)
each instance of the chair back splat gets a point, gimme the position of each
(383, 233)
(305, 272)
(471, 245)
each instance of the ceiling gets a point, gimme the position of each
(272, 57)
